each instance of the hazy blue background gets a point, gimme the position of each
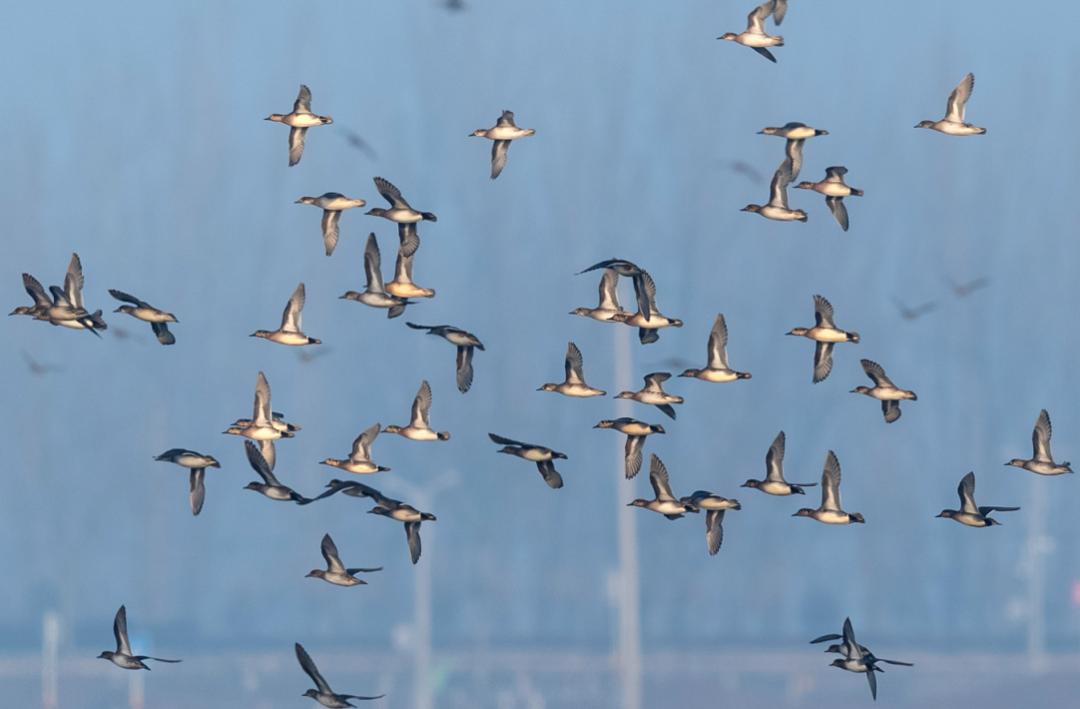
(135, 137)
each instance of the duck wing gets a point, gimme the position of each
(391, 193)
(717, 348)
(500, 150)
(361, 447)
(330, 229)
(373, 265)
(120, 632)
(259, 465)
(774, 459)
(954, 110)
(308, 666)
(823, 312)
(290, 317)
(966, 491)
(876, 373)
(303, 100)
(634, 447)
(330, 554)
(1040, 438)
(658, 478)
(296, 144)
(575, 365)
(822, 361)
(830, 483)
(839, 211)
(422, 406)
(714, 530)
(464, 368)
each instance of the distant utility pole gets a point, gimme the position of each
(626, 589)
(422, 497)
(50, 659)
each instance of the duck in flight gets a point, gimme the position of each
(141, 310)
(504, 131)
(465, 342)
(914, 312)
(541, 455)
(290, 332)
(648, 319)
(574, 385)
(197, 463)
(830, 511)
(299, 121)
(608, 309)
(664, 501)
(322, 692)
(825, 334)
(401, 214)
(335, 571)
(755, 36)
(42, 302)
(715, 506)
(270, 486)
(777, 207)
(375, 294)
(774, 483)
(123, 656)
(332, 204)
(264, 425)
(969, 513)
(626, 269)
(67, 308)
(359, 460)
(419, 428)
(636, 432)
(403, 286)
(835, 189)
(953, 123)
(1041, 461)
(884, 391)
(716, 367)
(857, 658)
(653, 393)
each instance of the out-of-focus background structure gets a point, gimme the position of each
(135, 137)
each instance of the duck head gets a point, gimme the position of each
(584, 312)
(798, 331)
(276, 117)
(946, 514)
(392, 429)
(305, 200)
(804, 512)
(376, 212)
(315, 573)
(925, 124)
(606, 423)
(264, 334)
(861, 390)
(728, 36)
(690, 373)
(625, 395)
(548, 387)
(804, 185)
(752, 483)
(751, 208)
(106, 655)
(478, 133)
(638, 503)
(1017, 462)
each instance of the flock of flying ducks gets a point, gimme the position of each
(64, 306)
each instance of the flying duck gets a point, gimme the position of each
(884, 391)
(793, 130)
(574, 385)
(419, 428)
(914, 312)
(714, 506)
(299, 121)
(505, 130)
(755, 36)
(402, 286)
(716, 367)
(608, 309)
(290, 333)
(123, 657)
(830, 511)
(401, 214)
(1042, 462)
(648, 319)
(663, 502)
(67, 308)
(396, 510)
(270, 486)
(197, 463)
(777, 207)
(969, 513)
(858, 659)
(653, 393)
(141, 310)
(375, 294)
(626, 269)
(332, 204)
(953, 122)
(540, 455)
(335, 572)
(835, 189)
(322, 693)
(42, 302)
(635, 431)
(359, 460)
(466, 342)
(264, 425)
(774, 483)
(825, 334)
